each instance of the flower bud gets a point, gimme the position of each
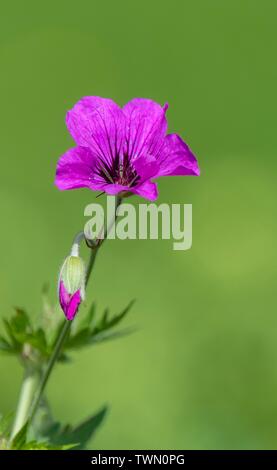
(72, 285)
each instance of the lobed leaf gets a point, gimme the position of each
(20, 331)
(6, 347)
(81, 433)
(102, 331)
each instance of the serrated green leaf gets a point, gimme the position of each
(88, 336)
(79, 339)
(19, 442)
(20, 332)
(104, 320)
(6, 347)
(109, 335)
(80, 434)
(20, 321)
(106, 323)
(18, 328)
(16, 345)
(84, 321)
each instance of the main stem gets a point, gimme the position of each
(27, 397)
(55, 354)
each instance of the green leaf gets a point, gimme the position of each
(79, 340)
(109, 335)
(20, 322)
(38, 340)
(101, 332)
(18, 328)
(20, 332)
(80, 434)
(85, 321)
(104, 320)
(16, 345)
(106, 323)
(6, 347)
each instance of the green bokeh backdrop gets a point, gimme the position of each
(202, 370)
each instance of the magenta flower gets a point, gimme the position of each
(122, 149)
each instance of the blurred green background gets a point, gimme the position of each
(201, 372)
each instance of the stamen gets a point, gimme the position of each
(120, 171)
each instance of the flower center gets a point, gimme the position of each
(119, 171)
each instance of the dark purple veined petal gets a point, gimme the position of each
(145, 129)
(146, 167)
(69, 303)
(176, 158)
(147, 190)
(113, 189)
(79, 168)
(99, 124)
(74, 168)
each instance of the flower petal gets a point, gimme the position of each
(176, 158)
(146, 167)
(76, 169)
(69, 303)
(146, 127)
(63, 296)
(98, 123)
(148, 190)
(73, 305)
(114, 189)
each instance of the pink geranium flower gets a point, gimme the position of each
(122, 149)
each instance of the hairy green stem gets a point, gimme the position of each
(100, 239)
(32, 397)
(55, 355)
